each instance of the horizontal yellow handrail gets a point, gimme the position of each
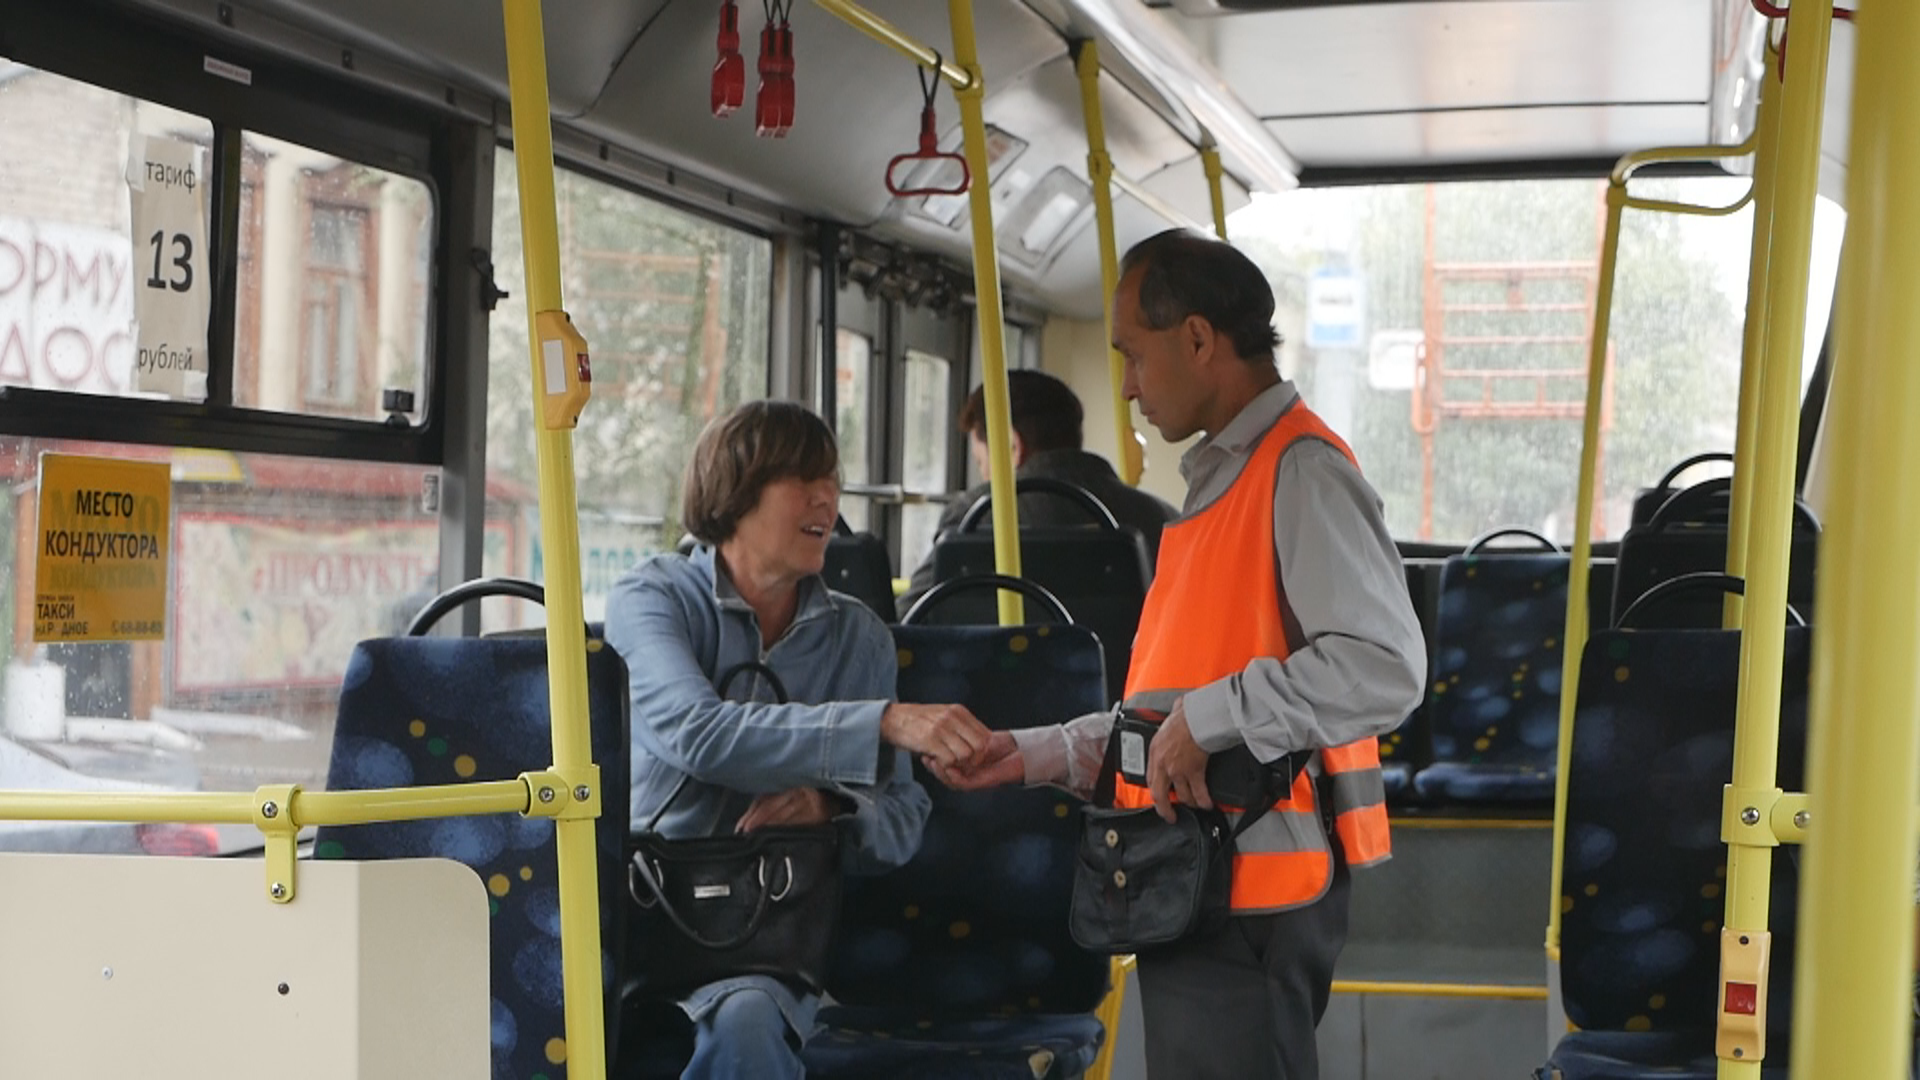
(1640, 159)
(195, 807)
(309, 807)
(1473, 823)
(1443, 990)
(890, 35)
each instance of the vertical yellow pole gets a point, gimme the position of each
(1856, 909)
(1210, 161)
(1086, 63)
(1579, 571)
(1754, 350)
(559, 357)
(986, 287)
(1749, 836)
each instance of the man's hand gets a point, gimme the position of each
(1176, 763)
(798, 806)
(947, 734)
(1000, 764)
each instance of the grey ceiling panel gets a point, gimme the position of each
(1491, 135)
(1462, 54)
(858, 102)
(465, 41)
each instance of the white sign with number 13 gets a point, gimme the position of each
(165, 178)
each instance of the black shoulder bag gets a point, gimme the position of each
(712, 908)
(1139, 882)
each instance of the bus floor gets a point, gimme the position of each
(1461, 904)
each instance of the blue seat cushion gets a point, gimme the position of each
(1485, 783)
(875, 1044)
(1397, 778)
(1645, 1055)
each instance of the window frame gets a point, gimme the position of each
(163, 62)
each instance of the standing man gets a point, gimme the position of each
(1278, 620)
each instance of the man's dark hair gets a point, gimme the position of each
(1184, 273)
(740, 453)
(1045, 412)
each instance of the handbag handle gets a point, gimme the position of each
(646, 874)
(720, 687)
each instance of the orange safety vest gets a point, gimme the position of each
(1215, 605)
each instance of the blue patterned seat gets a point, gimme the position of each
(429, 710)
(1494, 710)
(1645, 866)
(959, 964)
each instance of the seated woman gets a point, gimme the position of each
(761, 497)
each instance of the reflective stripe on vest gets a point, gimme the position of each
(1215, 605)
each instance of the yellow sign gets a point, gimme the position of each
(101, 548)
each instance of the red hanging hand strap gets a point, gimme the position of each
(929, 152)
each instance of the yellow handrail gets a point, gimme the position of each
(1574, 637)
(1210, 161)
(969, 89)
(1086, 63)
(1856, 908)
(956, 72)
(1754, 346)
(992, 328)
(558, 358)
(1746, 821)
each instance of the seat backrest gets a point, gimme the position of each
(1101, 575)
(857, 565)
(1410, 744)
(1688, 534)
(1645, 866)
(976, 922)
(1497, 659)
(430, 710)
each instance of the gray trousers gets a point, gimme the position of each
(1242, 1004)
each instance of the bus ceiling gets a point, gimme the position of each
(1290, 91)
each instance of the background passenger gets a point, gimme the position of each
(1046, 442)
(761, 496)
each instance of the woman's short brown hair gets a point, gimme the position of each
(740, 453)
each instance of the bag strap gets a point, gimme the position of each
(720, 687)
(641, 872)
(1108, 780)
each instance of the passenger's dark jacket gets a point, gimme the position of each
(1130, 505)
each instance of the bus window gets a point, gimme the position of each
(1481, 294)
(335, 277)
(69, 263)
(278, 566)
(853, 378)
(675, 308)
(927, 419)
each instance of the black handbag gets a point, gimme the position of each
(712, 908)
(1139, 882)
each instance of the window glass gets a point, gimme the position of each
(853, 378)
(335, 276)
(676, 311)
(70, 265)
(1442, 330)
(928, 419)
(278, 566)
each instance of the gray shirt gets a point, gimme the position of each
(1362, 669)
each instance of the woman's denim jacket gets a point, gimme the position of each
(679, 625)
